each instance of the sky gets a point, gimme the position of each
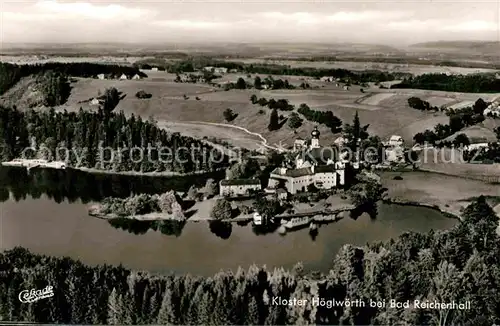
(381, 22)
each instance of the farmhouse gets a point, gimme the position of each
(476, 146)
(299, 144)
(396, 140)
(315, 166)
(95, 102)
(492, 110)
(239, 187)
(395, 154)
(123, 77)
(220, 70)
(327, 79)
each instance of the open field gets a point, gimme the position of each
(476, 134)
(448, 193)
(386, 110)
(392, 67)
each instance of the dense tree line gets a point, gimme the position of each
(193, 64)
(98, 139)
(477, 83)
(460, 264)
(324, 117)
(10, 74)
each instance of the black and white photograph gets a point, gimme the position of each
(250, 162)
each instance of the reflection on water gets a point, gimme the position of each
(73, 185)
(46, 223)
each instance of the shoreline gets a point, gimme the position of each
(446, 212)
(150, 217)
(111, 172)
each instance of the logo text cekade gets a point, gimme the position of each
(331, 303)
(33, 295)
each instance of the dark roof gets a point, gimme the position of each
(240, 182)
(298, 172)
(321, 155)
(325, 168)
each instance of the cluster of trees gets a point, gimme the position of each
(168, 203)
(10, 74)
(280, 104)
(102, 140)
(324, 117)
(484, 155)
(359, 140)
(229, 115)
(476, 83)
(54, 87)
(143, 95)
(457, 121)
(461, 264)
(245, 169)
(419, 104)
(222, 210)
(271, 83)
(294, 121)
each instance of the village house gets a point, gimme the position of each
(220, 70)
(395, 154)
(299, 144)
(396, 140)
(345, 88)
(123, 77)
(315, 166)
(281, 194)
(327, 79)
(239, 187)
(95, 101)
(476, 146)
(136, 77)
(101, 76)
(154, 69)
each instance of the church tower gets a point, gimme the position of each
(315, 138)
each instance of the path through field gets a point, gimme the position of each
(236, 135)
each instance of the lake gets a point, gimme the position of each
(45, 213)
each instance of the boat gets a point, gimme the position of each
(296, 222)
(16, 162)
(34, 163)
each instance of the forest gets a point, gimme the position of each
(10, 74)
(476, 83)
(460, 264)
(324, 117)
(102, 140)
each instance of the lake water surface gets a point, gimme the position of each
(45, 226)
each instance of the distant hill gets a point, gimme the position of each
(487, 47)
